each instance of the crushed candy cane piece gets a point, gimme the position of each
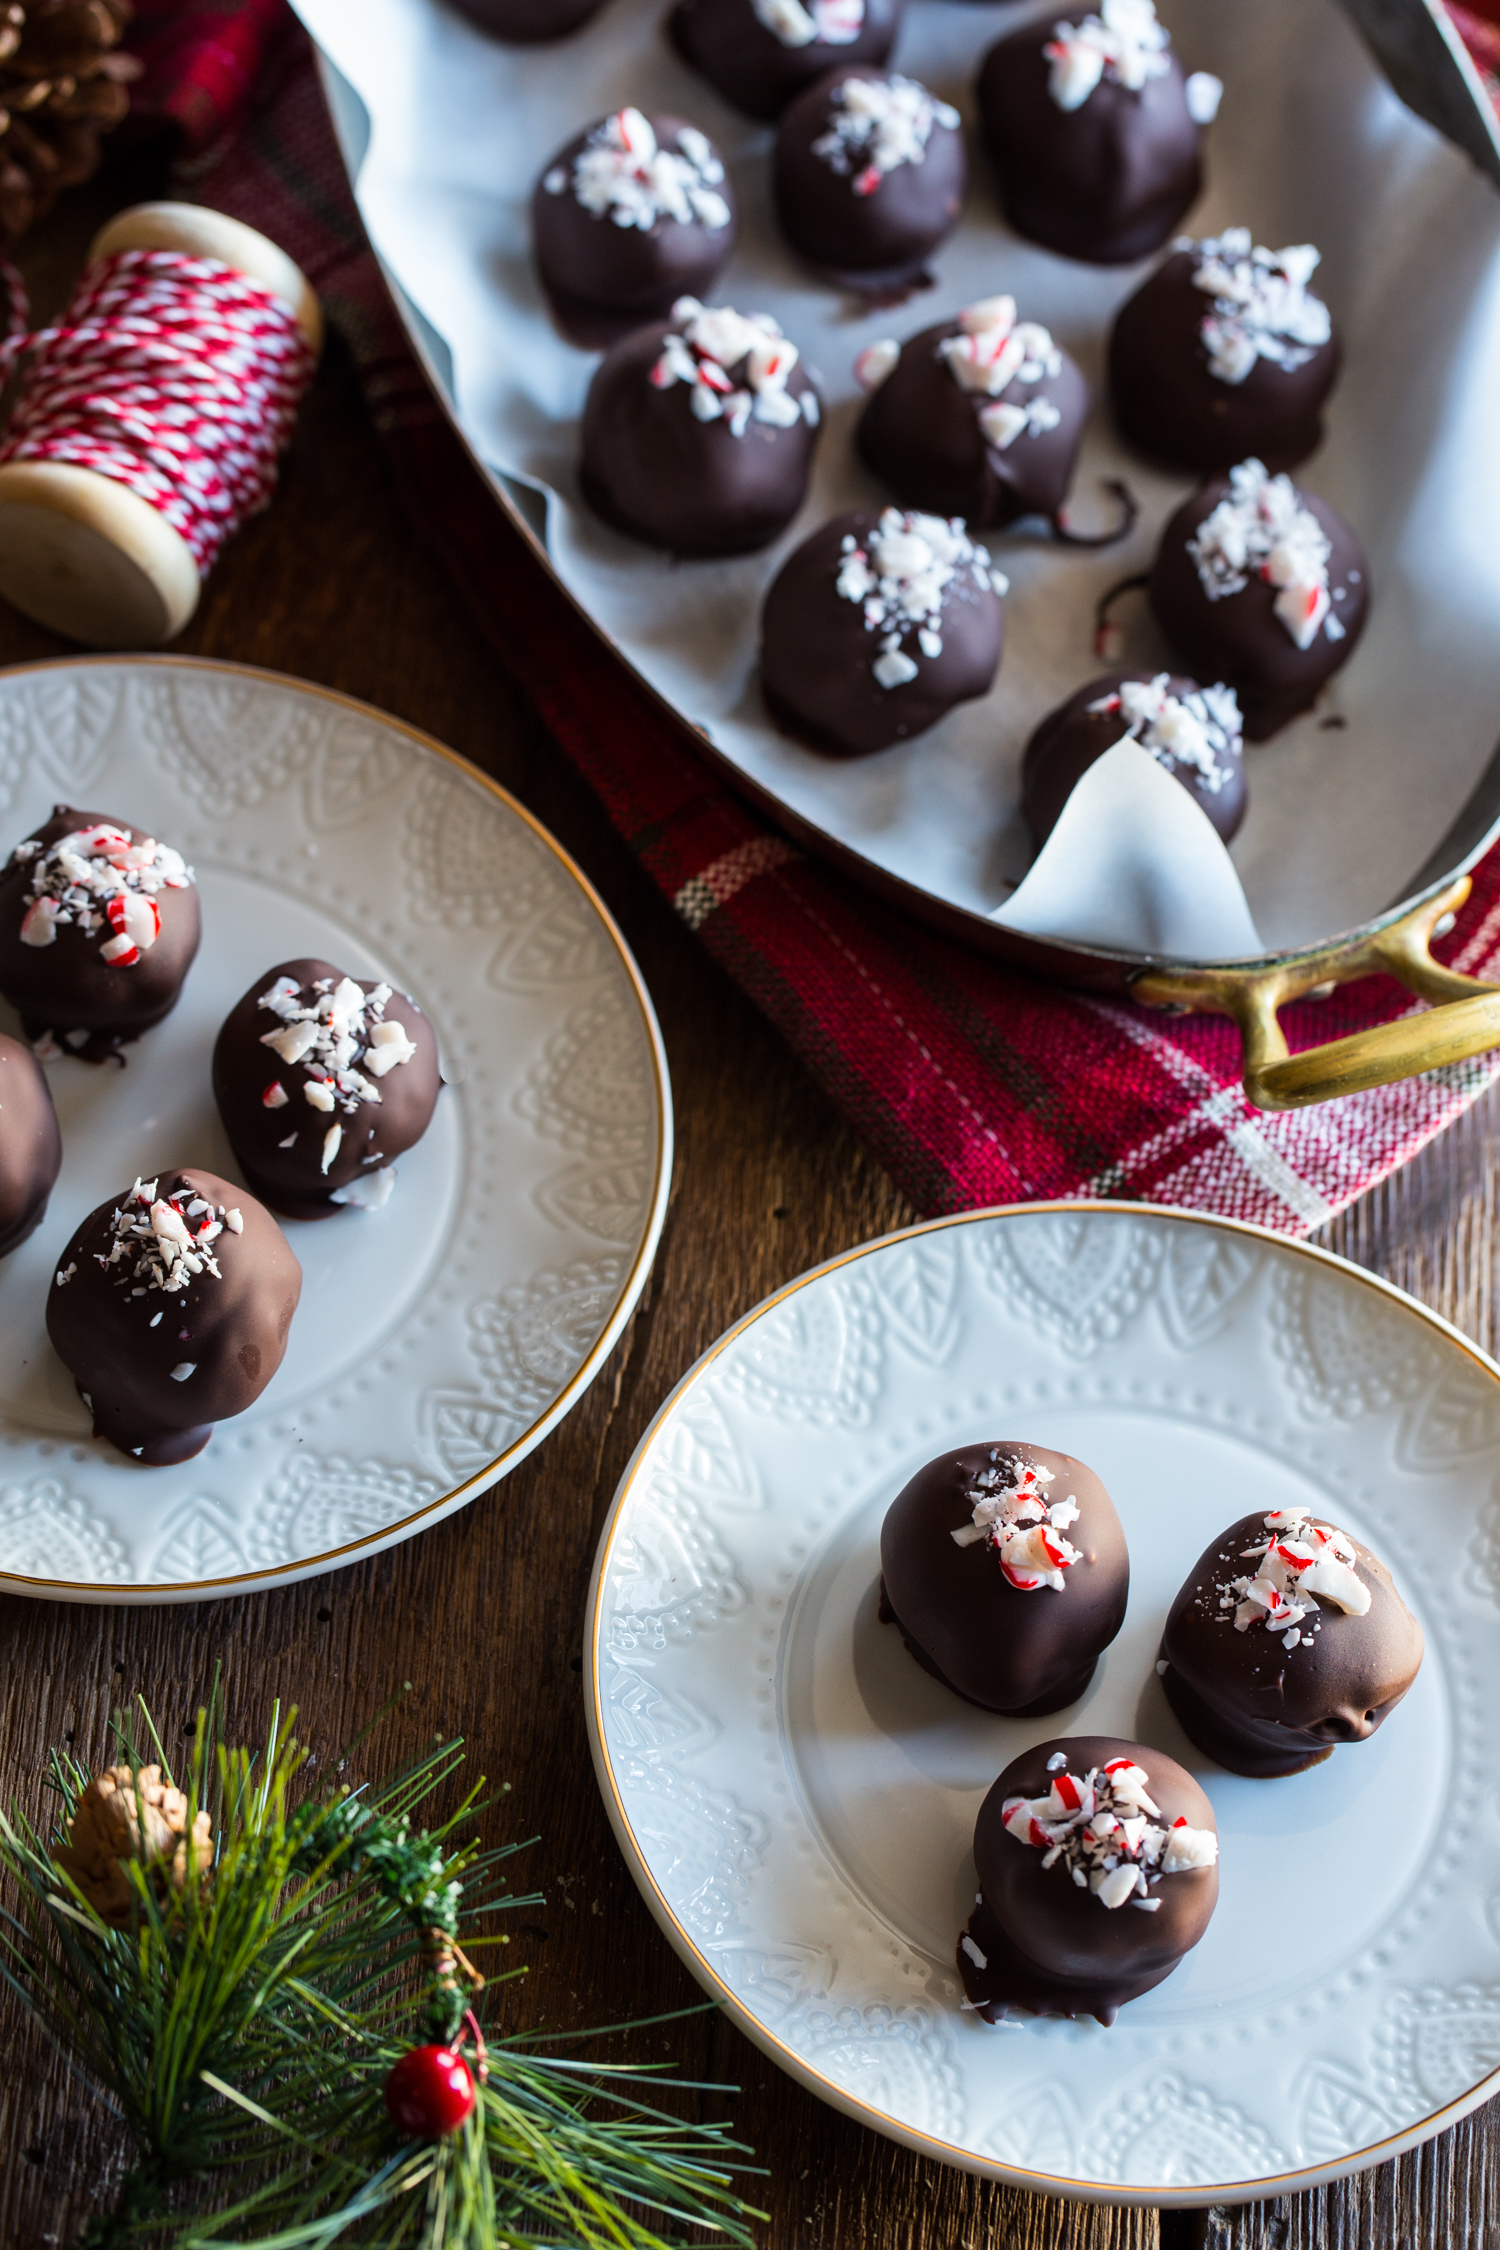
(1299, 1561)
(837, 23)
(1106, 1831)
(875, 125)
(622, 174)
(1203, 730)
(97, 879)
(1261, 529)
(1261, 306)
(901, 578)
(1011, 1512)
(1123, 42)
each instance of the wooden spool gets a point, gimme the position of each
(85, 555)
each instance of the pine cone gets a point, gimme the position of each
(63, 84)
(122, 1817)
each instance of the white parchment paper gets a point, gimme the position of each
(1310, 145)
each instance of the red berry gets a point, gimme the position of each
(430, 2092)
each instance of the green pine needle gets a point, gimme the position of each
(244, 2026)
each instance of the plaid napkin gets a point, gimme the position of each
(973, 1084)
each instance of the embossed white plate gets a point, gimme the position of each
(439, 1339)
(796, 1798)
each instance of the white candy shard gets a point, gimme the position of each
(331, 1140)
(367, 1191)
(1262, 529)
(1124, 41)
(1203, 94)
(183, 1369)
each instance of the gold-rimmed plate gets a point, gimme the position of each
(796, 1799)
(439, 1339)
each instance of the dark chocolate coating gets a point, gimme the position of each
(657, 473)
(524, 22)
(1239, 639)
(590, 265)
(1108, 182)
(753, 69)
(920, 433)
(1052, 1949)
(30, 1143)
(233, 1327)
(1072, 737)
(66, 986)
(292, 1180)
(1262, 1710)
(959, 1614)
(1167, 403)
(891, 231)
(815, 653)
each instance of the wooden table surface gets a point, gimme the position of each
(484, 1614)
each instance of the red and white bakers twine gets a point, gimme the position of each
(177, 377)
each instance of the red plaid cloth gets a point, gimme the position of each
(973, 1084)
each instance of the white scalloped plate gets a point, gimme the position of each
(439, 1339)
(796, 1798)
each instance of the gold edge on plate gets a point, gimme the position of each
(796, 2065)
(127, 1591)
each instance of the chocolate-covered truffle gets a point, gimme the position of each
(1094, 131)
(1191, 731)
(1223, 354)
(698, 434)
(30, 1143)
(1287, 1638)
(634, 213)
(170, 1309)
(322, 1082)
(979, 417)
(1098, 1870)
(869, 177)
(875, 627)
(1005, 1567)
(1262, 586)
(759, 54)
(99, 924)
(523, 22)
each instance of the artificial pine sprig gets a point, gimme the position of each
(244, 2013)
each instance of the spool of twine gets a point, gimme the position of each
(147, 422)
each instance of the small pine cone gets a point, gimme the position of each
(122, 1817)
(63, 84)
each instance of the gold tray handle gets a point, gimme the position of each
(1464, 1019)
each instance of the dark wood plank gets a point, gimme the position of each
(484, 1614)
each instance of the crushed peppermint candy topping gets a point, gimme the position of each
(340, 1027)
(901, 576)
(837, 23)
(1262, 308)
(1202, 730)
(1012, 1512)
(1123, 41)
(736, 367)
(991, 351)
(622, 173)
(877, 124)
(100, 878)
(1261, 529)
(1108, 1832)
(165, 1242)
(1298, 1561)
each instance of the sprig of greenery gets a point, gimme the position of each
(244, 2025)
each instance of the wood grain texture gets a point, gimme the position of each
(484, 1614)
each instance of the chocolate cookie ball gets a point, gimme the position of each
(979, 417)
(322, 1082)
(1005, 1567)
(170, 1309)
(1264, 587)
(1098, 1870)
(698, 434)
(1095, 132)
(1192, 732)
(99, 924)
(1287, 1638)
(523, 22)
(30, 1144)
(1223, 354)
(634, 213)
(875, 627)
(759, 54)
(869, 177)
